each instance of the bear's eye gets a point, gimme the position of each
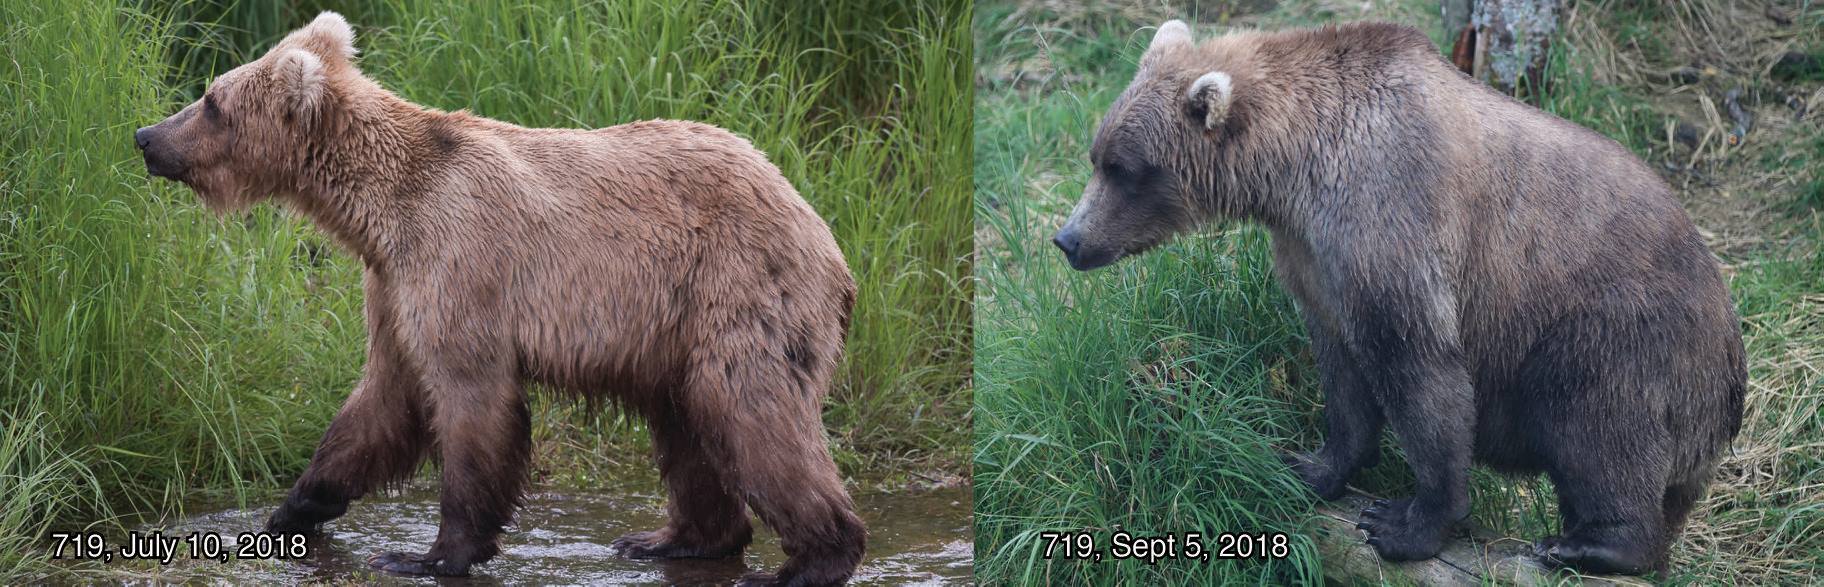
(1128, 171)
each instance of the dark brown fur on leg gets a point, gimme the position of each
(1629, 538)
(1621, 505)
(486, 443)
(377, 437)
(707, 520)
(822, 536)
(370, 442)
(1352, 419)
(1679, 500)
(779, 461)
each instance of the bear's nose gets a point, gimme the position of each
(1067, 241)
(142, 137)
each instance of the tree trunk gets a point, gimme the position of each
(1512, 39)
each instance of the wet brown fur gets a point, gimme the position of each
(1491, 282)
(664, 264)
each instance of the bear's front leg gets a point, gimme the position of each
(378, 436)
(707, 518)
(1417, 376)
(484, 439)
(1352, 419)
(1432, 419)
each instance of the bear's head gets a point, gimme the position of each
(1153, 170)
(249, 136)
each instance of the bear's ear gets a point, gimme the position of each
(299, 76)
(1209, 98)
(329, 36)
(1170, 33)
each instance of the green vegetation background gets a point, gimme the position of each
(153, 355)
(1151, 396)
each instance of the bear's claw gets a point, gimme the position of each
(1591, 557)
(658, 544)
(1383, 513)
(640, 545)
(772, 579)
(413, 564)
(1393, 534)
(757, 580)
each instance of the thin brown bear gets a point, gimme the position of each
(666, 265)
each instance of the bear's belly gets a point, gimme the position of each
(1503, 435)
(616, 342)
(612, 371)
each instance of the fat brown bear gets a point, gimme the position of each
(666, 265)
(1491, 282)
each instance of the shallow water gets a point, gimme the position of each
(916, 537)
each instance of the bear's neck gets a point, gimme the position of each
(356, 181)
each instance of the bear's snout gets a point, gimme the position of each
(1066, 241)
(159, 161)
(1070, 241)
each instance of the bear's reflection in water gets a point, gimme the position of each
(915, 537)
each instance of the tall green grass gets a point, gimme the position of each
(156, 350)
(37, 481)
(1146, 397)
(155, 355)
(1151, 396)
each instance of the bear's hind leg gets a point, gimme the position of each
(1590, 383)
(792, 483)
(707, 519)
(1610, 470)
(763, 428)
(1679, 499)
(1618, 529)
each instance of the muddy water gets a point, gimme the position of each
(921, 538)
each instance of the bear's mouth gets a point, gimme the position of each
(162, 167)
(1088, 260)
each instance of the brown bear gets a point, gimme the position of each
(666, 265)
(1491, 282)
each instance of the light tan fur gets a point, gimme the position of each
(665, 264)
